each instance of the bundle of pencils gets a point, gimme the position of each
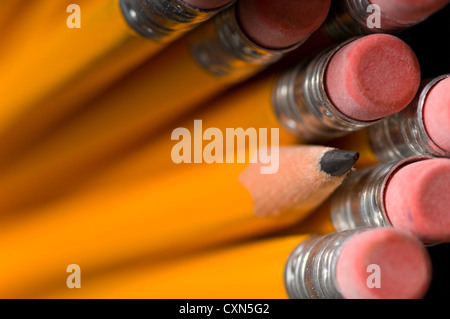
(222, 149)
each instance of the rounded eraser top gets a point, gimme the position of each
(436, 114)
(383, 263)
(207, 4)
(282, 23)
(417, 199)
(409, 10)
(372, 77)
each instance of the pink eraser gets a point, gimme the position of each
(372, 77)
(409, 10)
(281, 23)
(436, 114)
(417, 199)
(207, 4)
(383, 263)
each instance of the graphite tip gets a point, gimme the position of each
(338, 162)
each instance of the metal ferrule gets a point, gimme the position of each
(403, 134)
(163, 20)
(349, 18)
(359, 200)
(302, 105)
(310, 271)
(225, 51)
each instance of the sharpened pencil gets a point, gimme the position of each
(214, 205)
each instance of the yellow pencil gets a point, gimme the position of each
(170, 215)
(8, 11)
(306, 266)
(250, 270)
(26, 26)
(72, 65)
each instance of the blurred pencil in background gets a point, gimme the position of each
(26, 26)
(69, 67)
(172, 215)
(304, 266)
(13, 16)
(247, 270)
(7, 11)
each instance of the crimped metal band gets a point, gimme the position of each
(359, 201)
(310, 271)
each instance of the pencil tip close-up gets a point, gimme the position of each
(338, 162)
(301, 177)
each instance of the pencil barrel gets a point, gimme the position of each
(162, 20)
(302, 106)
(348, 18)
(310, 271)
(225, 51)
(403, 134)
(359, 201)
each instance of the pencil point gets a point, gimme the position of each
(338, 162)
